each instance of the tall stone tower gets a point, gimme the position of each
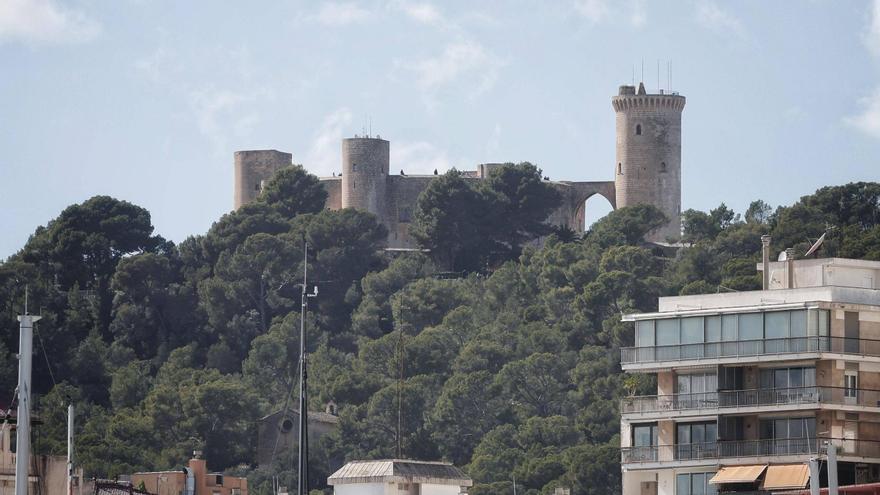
(648, 168)
(365, 163)
(252, 168)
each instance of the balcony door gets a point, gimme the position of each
(851, 332)
(696, 440)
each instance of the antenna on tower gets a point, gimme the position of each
(643, 71)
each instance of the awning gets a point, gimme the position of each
(738, 474)
(786, 477)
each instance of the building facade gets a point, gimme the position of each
(278, 433)
(46, 473)
(399, 477)
(194, 479)
(751, 385)
(648, 171)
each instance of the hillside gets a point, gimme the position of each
(510, 370)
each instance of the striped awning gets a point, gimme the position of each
(738, 474)
(786, 477)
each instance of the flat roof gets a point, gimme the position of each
(399, 470)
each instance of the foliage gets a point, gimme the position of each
(512, 372)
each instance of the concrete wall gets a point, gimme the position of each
(648, 164)
(365, 489)
(253, 167)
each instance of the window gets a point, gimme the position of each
(695, 440)
(668, 331)
(788, 435)
(851, 384)
(692, 330)
(638, 129)
(354, 167)
(695, 484)
(663, 166)
(645, 333)
(644, 435)
(619, 169)
(696, 383)
(797, 377)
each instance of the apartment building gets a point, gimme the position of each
(751, 385)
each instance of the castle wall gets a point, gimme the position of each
(648, 169)
(333, 186)
(251, 169)
(403, 193)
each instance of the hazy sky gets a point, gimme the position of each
(146, 100)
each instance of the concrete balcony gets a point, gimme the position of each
(748, 401)
(746, 452)
(657, 358)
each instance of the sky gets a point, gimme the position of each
(146, 100)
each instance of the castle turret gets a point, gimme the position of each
(252, 169)
(365, 165)
(648, 168)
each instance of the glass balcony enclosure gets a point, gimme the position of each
(742, 334)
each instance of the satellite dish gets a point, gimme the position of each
(782, 256)
(815, 245)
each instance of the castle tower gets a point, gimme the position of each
(252, 168)
(365, 163)
(648, 168)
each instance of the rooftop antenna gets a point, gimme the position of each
(371, 125)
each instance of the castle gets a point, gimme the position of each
(648, 171)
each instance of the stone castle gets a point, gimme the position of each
(648, 171)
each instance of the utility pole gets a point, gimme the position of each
(303, 472)
(70, 449)
(23, 420)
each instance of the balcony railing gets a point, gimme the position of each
(748, 448)
(750, 398)
(741, 348)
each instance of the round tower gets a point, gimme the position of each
(648, 166)
(365, 163)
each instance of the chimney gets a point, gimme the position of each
(765, 260)
(789, 267)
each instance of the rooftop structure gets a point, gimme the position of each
(399, 477)
(647, 171)
(752, 384)
(194, 479)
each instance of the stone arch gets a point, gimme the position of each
(576, 195)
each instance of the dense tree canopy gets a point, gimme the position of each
(511, 371)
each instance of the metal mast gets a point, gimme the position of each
(70, 449)
(303, 471)
(23, 420)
